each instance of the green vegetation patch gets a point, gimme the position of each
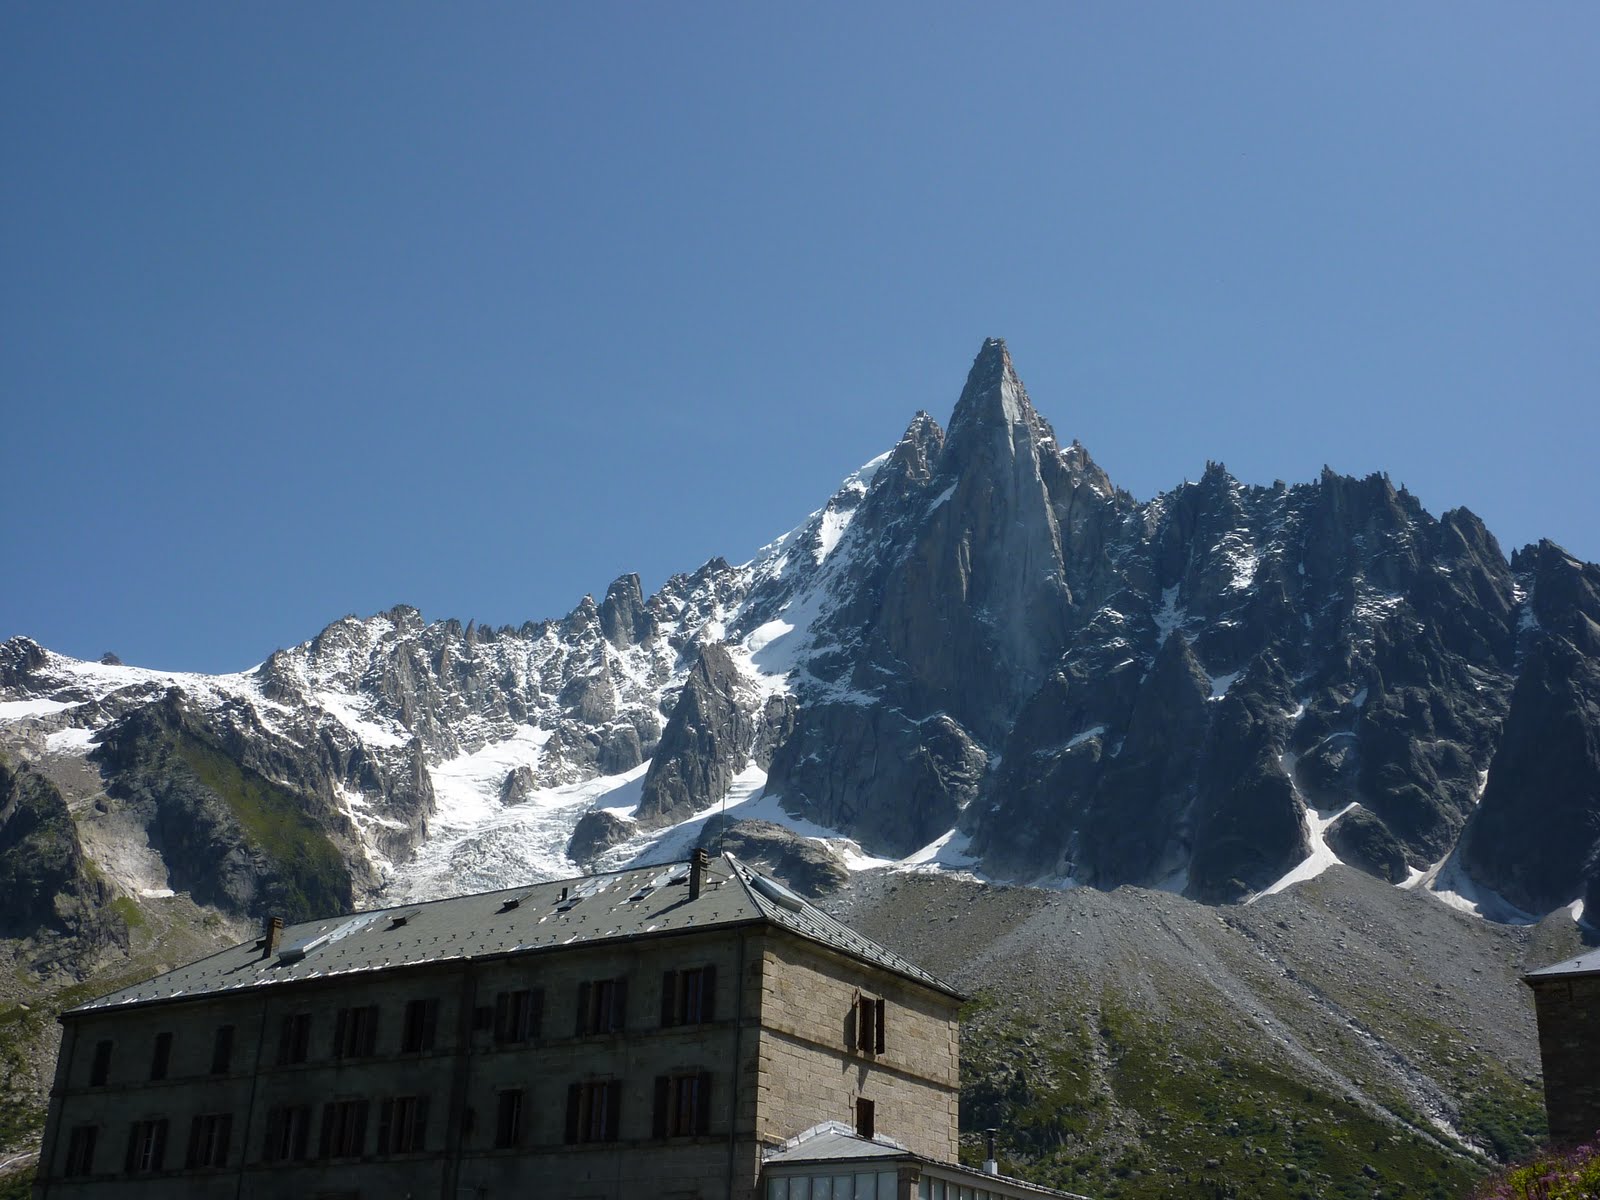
(1114, 1103)
(128, 909)
(274, 819)
(21, 1117)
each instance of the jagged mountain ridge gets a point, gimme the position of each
(978, 652)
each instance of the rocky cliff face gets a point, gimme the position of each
(978, 652)
(55, 902)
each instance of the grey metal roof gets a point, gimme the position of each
(1587, 963)
(834, 1143)
(640, 902)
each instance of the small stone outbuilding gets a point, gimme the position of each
(1567, 999)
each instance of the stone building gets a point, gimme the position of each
(648, 1033)
(1567, 999)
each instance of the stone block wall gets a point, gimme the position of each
(811, 1069)
(1569, 1045)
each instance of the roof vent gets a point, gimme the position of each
(295, 951)
(399, 919)
(777, 893)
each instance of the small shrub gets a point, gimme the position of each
(1550, 1175)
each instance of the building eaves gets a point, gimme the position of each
(789, 911)
(1587, 963)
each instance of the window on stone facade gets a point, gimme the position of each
(294, 1039)
(209, 1134)
(80, 1150)
(100, 1068)
(518, 1015)
(287, 1129)
(594, 1110)
(602, 1005)
(222, 1050)
(688, 997)
(869, 1024)
(508, 1119)
(160, 1056)
(344, 1129)
(683, 1105)
(421, 1025)
(866, 1122)
(147, 1146)
(402, 1125)
(355, 1032)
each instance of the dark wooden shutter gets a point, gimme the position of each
(430, 1023)
(502, 1016)
(325, 1145)
(669, 996)
(193, 1154)
(863, 1023)
(702, 1116)
(583, 1007)
(133, 1148)
(301, 1117)
(219, 1156)
(358, 1142)
(708, 992)
(613, 1089)
(877, 1022)
(658, 1120)
(274, 1137)
(536, 1017)
(574, 1095)
(619, 1004)
(100, 1069)
(160, 1154)
(369, 1032)
(419, 1124)
(340, 1027)
(285, 1040)
(385, 1126)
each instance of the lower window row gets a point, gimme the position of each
(681, 1108)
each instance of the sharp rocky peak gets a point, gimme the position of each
(993, 411)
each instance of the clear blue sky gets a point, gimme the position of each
(308, 309)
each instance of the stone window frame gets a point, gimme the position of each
(518, 1015)
(80, 1151)
(594, 1111)
(160, 1056)
(100, 1066)
(688, 996)
(147, 1146)
(403, 1124)
(288, 1133)
(682, 1105)
(419, 1030)
(294, 1039)
(344, 1128)
(510, 1105)
(602, 1006)
(222, 1050)
(870, 1021)
(209, 1138)
(355, 1031)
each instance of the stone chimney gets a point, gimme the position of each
(271, 937)
(697, 872)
